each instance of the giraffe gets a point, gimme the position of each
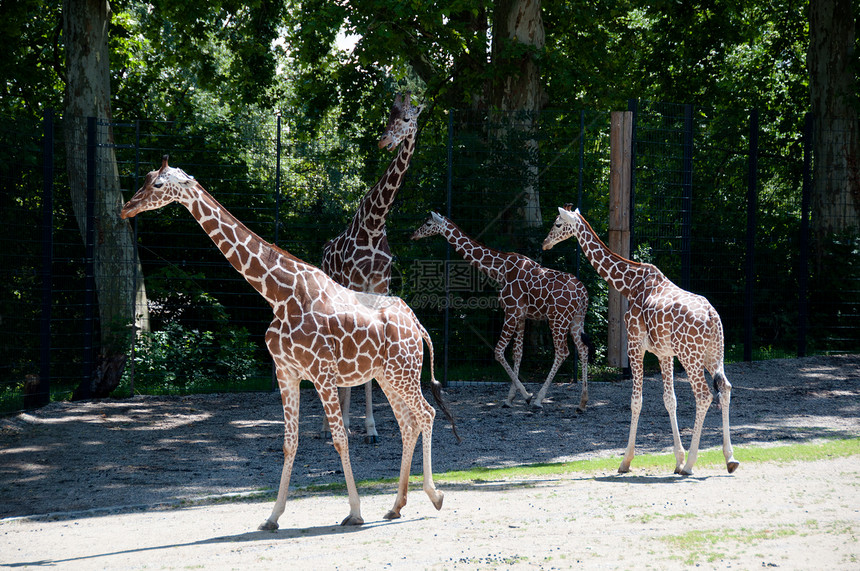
(528, 291)
(359, 257)
(667, 321)
(322, 332)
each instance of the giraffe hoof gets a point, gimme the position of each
(371, 439)
(507, 404)
(732, 466)
(437, 503)
(352, 520)
(684, 472)
(623, 469)
(392, 515)
(268, 526)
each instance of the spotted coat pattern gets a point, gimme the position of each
(528, 291)
(321, 331)
(359, 257)
(667, 321)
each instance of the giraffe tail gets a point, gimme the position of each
(592, 350)
(436, 386)
(720, 381)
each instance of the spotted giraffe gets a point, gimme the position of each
(667, 321)
(359, 257)
(528, 291)
(322, 332)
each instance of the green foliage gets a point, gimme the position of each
(180, 360)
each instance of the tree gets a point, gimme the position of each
(121, 297)
(833, 85)
(518, 41)
(481, 54)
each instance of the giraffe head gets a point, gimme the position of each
(434, 225)
(402, 123)
(562, 228)
(160, 187)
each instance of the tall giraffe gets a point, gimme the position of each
(529, 291)
(322, 332)
(359, 257)
(667, 321)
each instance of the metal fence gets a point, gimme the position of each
(718, 205)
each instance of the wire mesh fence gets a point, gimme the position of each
(718, 205)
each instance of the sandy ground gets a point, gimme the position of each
(122, 484)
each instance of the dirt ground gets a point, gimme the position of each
(149, 483)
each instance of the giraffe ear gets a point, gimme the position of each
(437, 217)
(567, 215)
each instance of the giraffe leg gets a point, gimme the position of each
(409, 434)
(582, 350)
(667, 370)
(331, 404)
(696, 373)
(371, 436)
(635, 354)
(290, 397)
(725, 390)
(512, 324)
(345, 396)
(559, 340)
(435, 495)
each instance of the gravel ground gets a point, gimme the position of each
(127, 484)
(69, 457)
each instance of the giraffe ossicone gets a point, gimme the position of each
(667, 321)
(528, 291)
(321, 332)
(359, 258)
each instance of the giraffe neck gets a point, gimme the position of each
(270, 270)
(489, 261)
(375, 205)
(624, 275)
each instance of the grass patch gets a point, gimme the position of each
(698, 544)
(806, 452)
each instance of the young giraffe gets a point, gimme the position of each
(529, 291)
(667, 321)
(359, 258)
(322, 332)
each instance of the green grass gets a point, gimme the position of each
(806, 452)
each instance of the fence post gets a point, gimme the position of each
(89, 264)
(135, 259)
(446, 315)
(278, 179)
(620, 139)
(687, 197)
(752, 205)
(577, 249)
(274, 386)
(42, 394)
(803, 271)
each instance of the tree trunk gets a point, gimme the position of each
(119, 283)
(834, 102)
(518, 38)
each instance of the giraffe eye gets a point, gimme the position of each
(158, 184)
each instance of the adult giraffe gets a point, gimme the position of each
(359, 257)
(529, 291)
(667, 321)
(322, 332)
